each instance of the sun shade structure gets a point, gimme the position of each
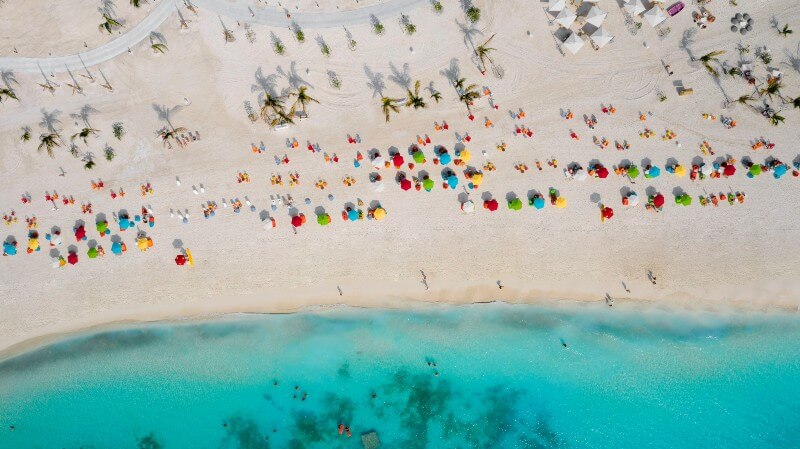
(565, 18)
(601, 37)
(634, 7)
(555, 5)
(574, 43)
(655, 16)
(596, 16)
(468, 207)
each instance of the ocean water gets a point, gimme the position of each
(505, 380)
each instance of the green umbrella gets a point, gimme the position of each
(687, 200)
(515, 204)
(419, 157)
(92, 253)
(633, 171)
(102, 226)
(323, 219)
(428, 184)
(755, 169)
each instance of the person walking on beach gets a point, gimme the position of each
(651, 277)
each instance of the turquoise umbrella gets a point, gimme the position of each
(9, 248)
(538, 202)
(779, 171)
(352, 215)
(445, 158)
(116, 248)
(452, 181)
(653, 172)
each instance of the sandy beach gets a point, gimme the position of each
(744, 256)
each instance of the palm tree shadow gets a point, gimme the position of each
(8, 78)
(401, 78)
(84, 113)
(375, 82)
(264, 84)
(165, 113)
(50, 119)
(295, 80)
(156, 37)
(453, 72)
(686, 42)
(794, 59)
(470, 32)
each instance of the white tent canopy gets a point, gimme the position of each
(596, 16)
(601, 37)
(574, 43)
(565, 17)
(555, 5)
(654, 16)
(634, 7)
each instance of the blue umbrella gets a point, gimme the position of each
(538, 203)
(653, 172)
(124, 223)
(352, 215)
(445, 158)
(9, 248)
(779, 171)
(116, 248)
(452, 181)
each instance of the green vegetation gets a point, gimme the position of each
(473, 14)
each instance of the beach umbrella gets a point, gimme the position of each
(491, 205)
(58, 262)
(658, 200)
(189, 257)
(755, 170)
(538, 202)
(352, 215)
(729, 170)
(680, 171)
(428, 184)
(379, 213)
(72, 258)
(607, 213)
(602, 173)
(116, 248)
(452, 181)
(124, 223)
(565, 17)
(102, 227)
(465, 155)
(652, 172)
(445, 158)
(297, 221)
(515, 204)
(180, 259)
(323, 219)
(655, 16)
(561, 202)
(9, 249)
(596, 16)
(633, 172)
(405, 184)
(633, 199)
(142, 244)
(33, 244)
(398, 160)
(555, 5)
(379, 187)
(683, 199)
(468, 206)
(476, 179)
(601, 37)
(574, 43)
(419, 157)
(634, 7)
(580, 175)
(779, 171)
(80, 233)
(377, 162)
(92, 253)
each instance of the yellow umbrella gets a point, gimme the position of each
(379, 214)
(680, 171)
(142, 244)
(477, 179)
(561, 202)
(189, 257)
(465, 156)
(33, 244)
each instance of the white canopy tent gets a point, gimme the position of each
(596, 16)
(565, 18)
(555, 5)
(574, 43)
(601, 37)
(634, 7)
(654, 16)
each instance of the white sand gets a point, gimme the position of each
(746, 255)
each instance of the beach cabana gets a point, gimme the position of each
(596, 16)
(565, 18)
(574, 43)
(468, 207)
(601, 37)
(634, 7)
(555, 5)
(655, 16)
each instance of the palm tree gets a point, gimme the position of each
(303, 99)
(436, 96)
(8, 93)
(84, 134)
(466, 93)
(776, 119)
(734, 71)
(26, 134)
(49, 142)
(745, 99)
(273, 112)
(786, 31)
(482, 52)
(159, 48)
(414, 99)
(166, 134)
(136, 3)
(108, 24)
(711, 56)
(794, 102)
(773, 88)
(389, 105)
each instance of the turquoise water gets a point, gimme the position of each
(625, 380)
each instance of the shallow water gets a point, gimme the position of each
(626, 380)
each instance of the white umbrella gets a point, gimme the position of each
(379, 187)
(574, 43)
(706, 169)
(654, 16)
(565, 17)
(596, 16)
(468, 206)
(633, 199)
(601, 37)
(580, 175)
(634, 7)
(555, 5)
(377, 162)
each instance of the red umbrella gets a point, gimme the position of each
(602, 172)
(405, 184)
(398, 160)
(491, 205)
(180, 259)
(297, 221)
(729, 170)
(608, 212)
(72, 258)
(80, 233)
(658, 200)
